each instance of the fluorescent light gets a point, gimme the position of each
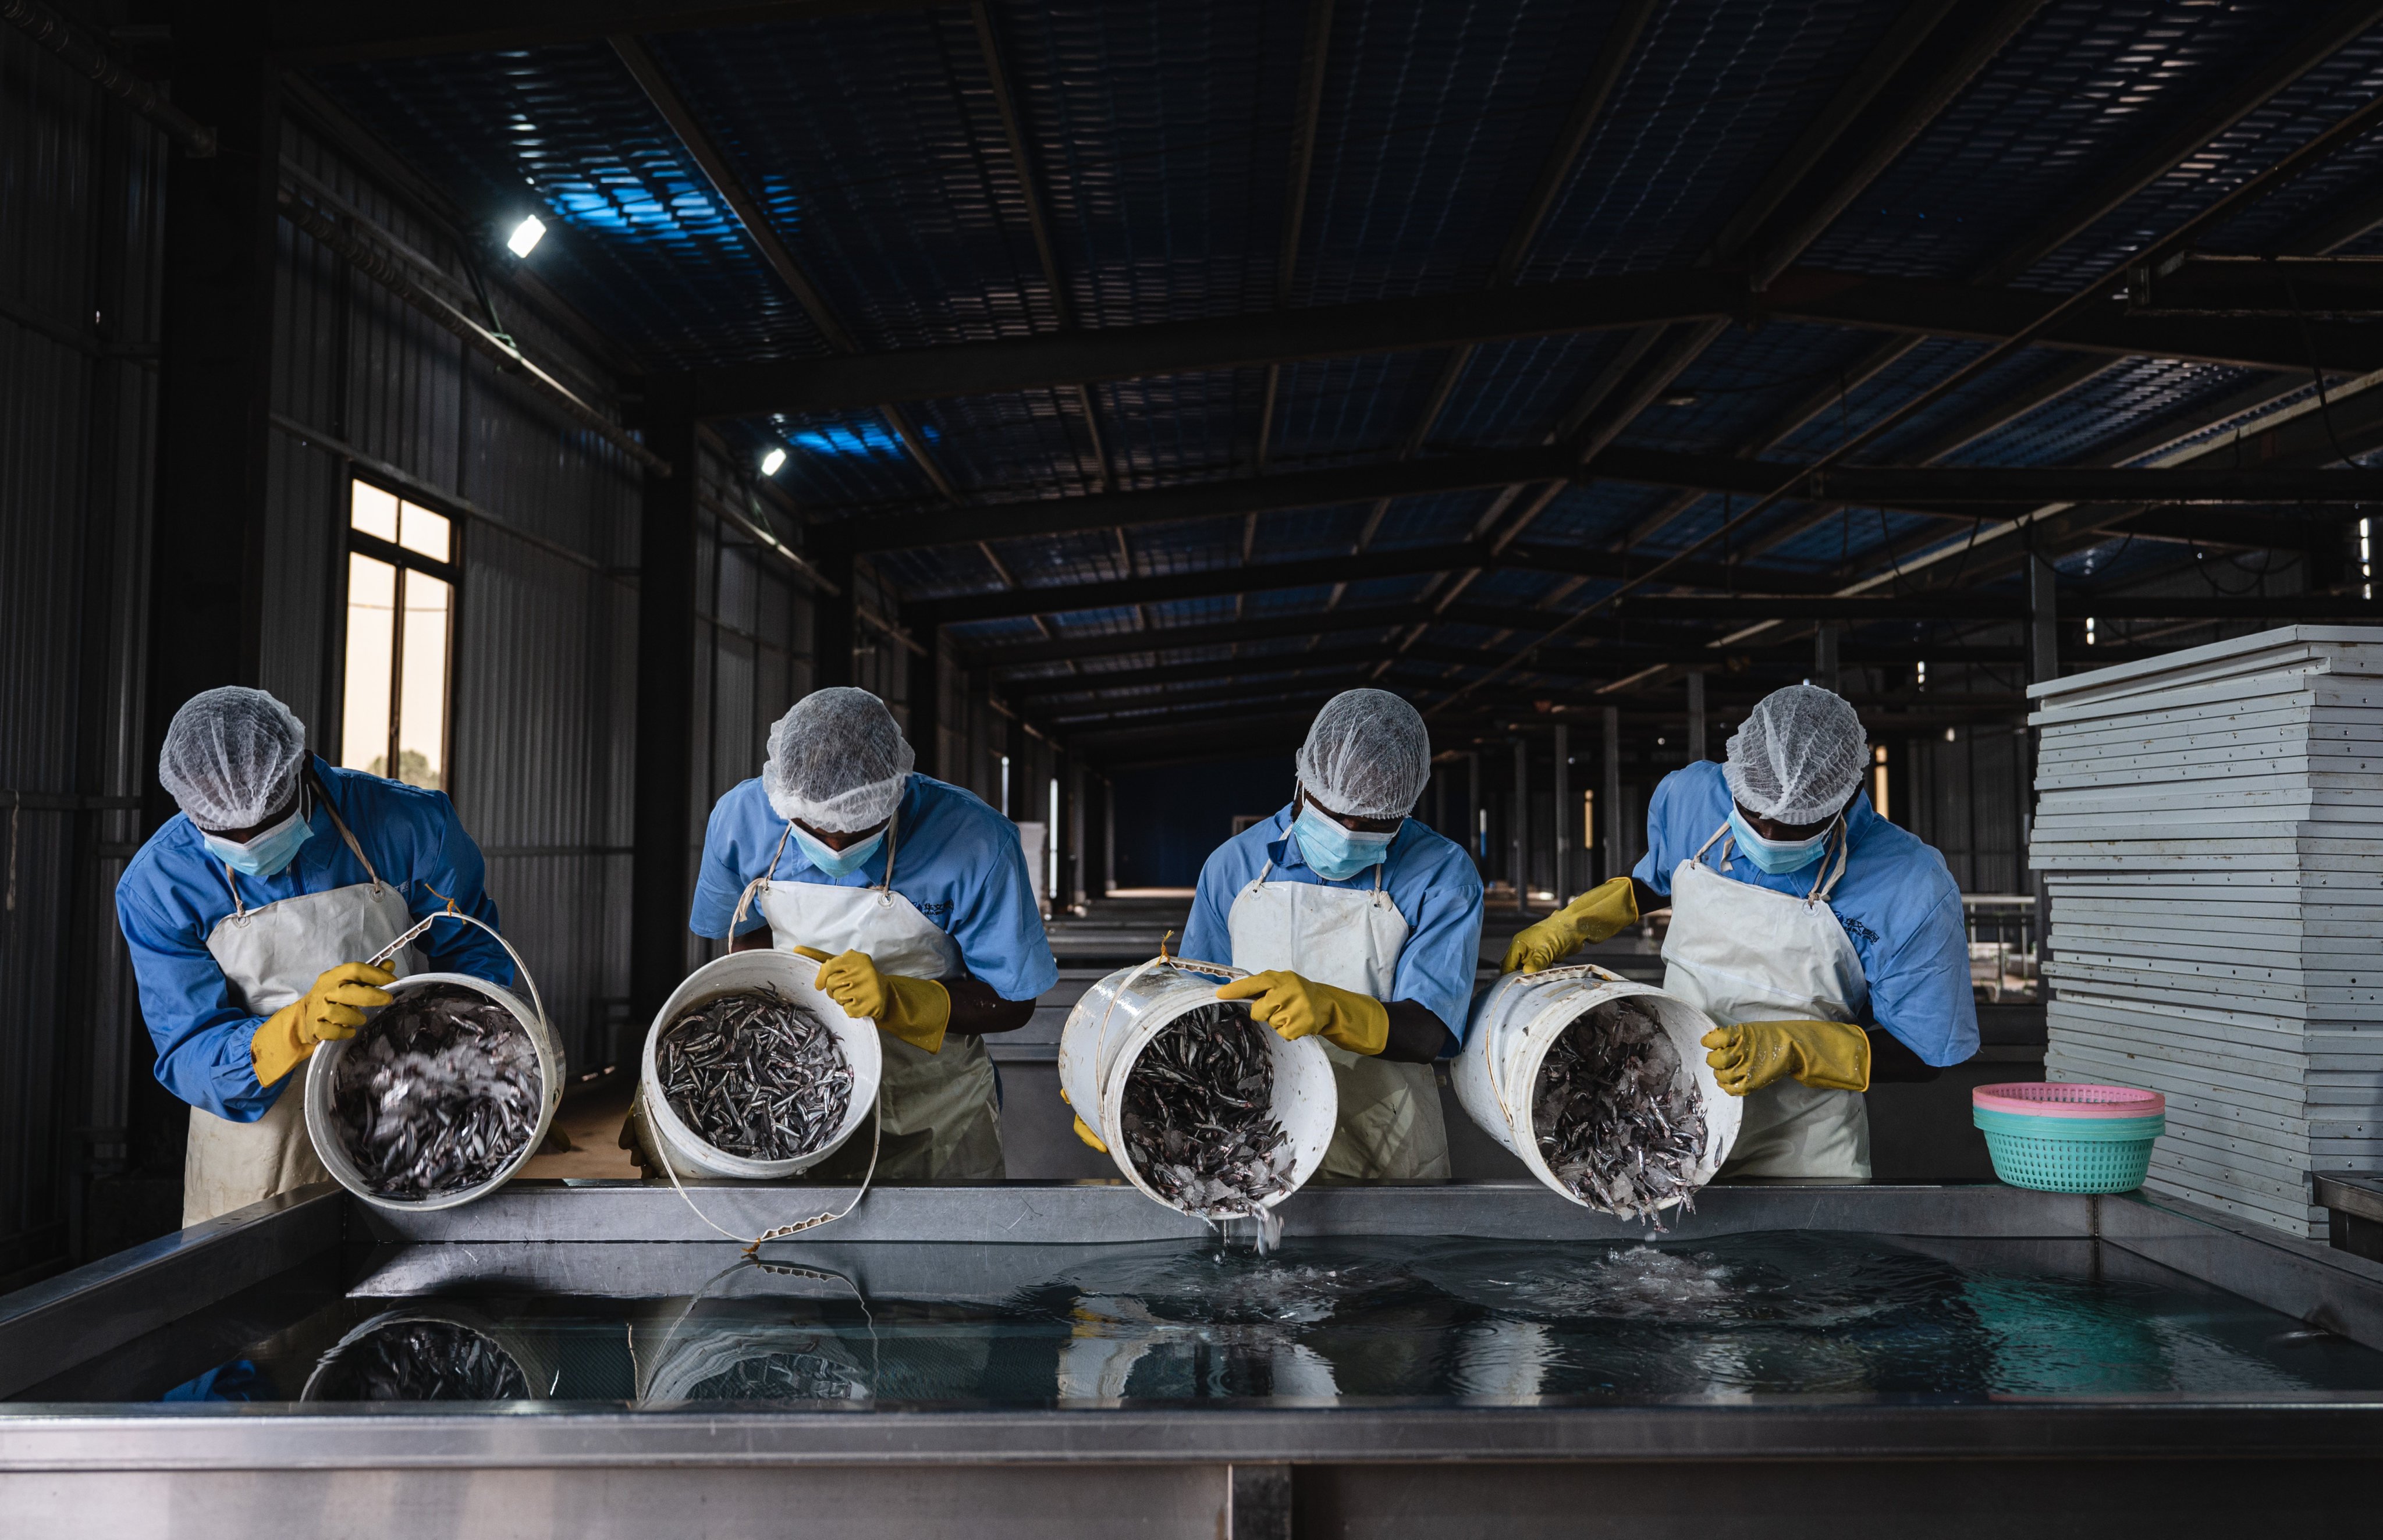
(525, 236)
(774, 462)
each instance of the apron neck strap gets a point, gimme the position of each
(1826, 882)
(341, 825)
(892, 836)
(1717, 834)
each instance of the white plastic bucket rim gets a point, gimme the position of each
(1097, 1053)
(795, 977)
(1506, 1044)
(322, 1119)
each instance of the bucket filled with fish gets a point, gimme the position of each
(1599, 1086)
(1202, 1108)
(440, 1095)
(751, 1073)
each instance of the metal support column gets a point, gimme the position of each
(926, 692)
(835, 621)
(1108, 836)
(1617, 862)
(208, 536)
(1476, 845)
(1518, 828)
(1824, 657)
(1562, 831)
(1071, 869)
(662, 835)
(2042, 663)
(1695, 715)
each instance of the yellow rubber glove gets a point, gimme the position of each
(1603, 912)
(1083, 1131)
(1296, 1007)
(916, 1010)
(1826, 1055)
(334, 1008)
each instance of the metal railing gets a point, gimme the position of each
(2003, 955)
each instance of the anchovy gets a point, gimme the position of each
(755, 1075)
(1618, 1123)
(1198, 1121)
(436, 1093)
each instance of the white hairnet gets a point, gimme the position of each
(231, 756)
(1367, 754)
(837, 761)
(1800, 755)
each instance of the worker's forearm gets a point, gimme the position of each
(755, 940)
(1417, 1035)
(976, 1008)
(1647, 898)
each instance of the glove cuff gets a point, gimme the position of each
(919, 1010)
(1361, 1023)
(276, 1048)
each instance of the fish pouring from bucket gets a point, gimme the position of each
(437, 1094)
(421, 1360)
(1618, 1123)
(1199, 1115)
(754, 1075)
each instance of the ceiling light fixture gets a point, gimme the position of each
(525, 236)
(774, 462)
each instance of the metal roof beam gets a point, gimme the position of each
(647, 72)
(1324, 572)
(308, 31)
(1073, 358)
(1951, 489)
(1226, 633)
(1219, 342)
(1991, 314)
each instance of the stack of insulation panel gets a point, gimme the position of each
(2209, 826)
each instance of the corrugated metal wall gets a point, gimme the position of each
(545, 637)
(78, 262)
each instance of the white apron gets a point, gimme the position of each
(270, 956)
(940, 1112)
(1348, 938)
(1739, 953)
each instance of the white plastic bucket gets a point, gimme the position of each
(1520, 1019)
(1116, 1021)
(794, 977)
(322, 1120)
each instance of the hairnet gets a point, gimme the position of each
(231, 756)
(1798, 756)
(1367, 754)
(837, 761)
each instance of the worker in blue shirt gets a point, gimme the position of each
(249, 916)
(913, 896)
(1357, 925)
(1798, 915)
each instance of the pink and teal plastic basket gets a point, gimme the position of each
(2061, 1138)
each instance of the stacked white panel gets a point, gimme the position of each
(2210, 829)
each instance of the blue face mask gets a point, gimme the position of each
(1336, 851)
(1777, 856)
(838, 863)
(269, 852)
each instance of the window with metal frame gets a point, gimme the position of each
(399, 637)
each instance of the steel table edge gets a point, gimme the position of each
(2305, 1428)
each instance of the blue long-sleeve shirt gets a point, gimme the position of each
(957, 861)
(1428, 877)
(172, 895)
(1899, 907)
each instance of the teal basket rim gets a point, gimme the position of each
(2080, 1131)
